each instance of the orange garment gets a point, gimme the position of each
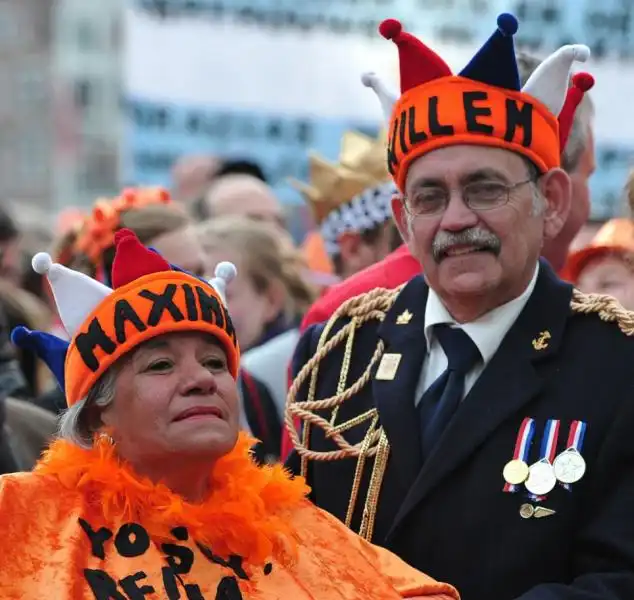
(84, 525)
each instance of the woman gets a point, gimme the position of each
(269, 295)
(151, 491)
(154, 218)
(606, 265)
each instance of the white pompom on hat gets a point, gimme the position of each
(550, 81)
(224, 274)
(76, 295)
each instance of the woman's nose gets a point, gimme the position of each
(197, 379)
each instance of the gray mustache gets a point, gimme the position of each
(481, 238)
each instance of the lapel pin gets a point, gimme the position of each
(404, 318)
(528, 511)
(388, 367)
(542, 511)
(541, 341)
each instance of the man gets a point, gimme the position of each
(350, 202)
(246, 195)
(191, 175)
(486, 399)
(400, 266)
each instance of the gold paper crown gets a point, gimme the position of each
(362, 164)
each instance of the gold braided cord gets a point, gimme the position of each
(605, 307)
(361, 309)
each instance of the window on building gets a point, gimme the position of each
(87, 38)
(99, 170)
(9, 25)
(84, 93)
(32, 160)
(32, 87)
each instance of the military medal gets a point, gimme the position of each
(541, 475)
(541, 478)
(527, 511)
(515, 471)
(570, 466)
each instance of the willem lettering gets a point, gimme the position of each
(408, 131)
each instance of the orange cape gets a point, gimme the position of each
(84, 525)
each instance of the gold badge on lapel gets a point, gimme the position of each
(404, 318)
(541, 341)
(388, 367)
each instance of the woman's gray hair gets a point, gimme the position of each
(77, 425)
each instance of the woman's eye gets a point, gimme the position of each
(159, 365)
(216, 364)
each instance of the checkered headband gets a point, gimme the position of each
(365, 211)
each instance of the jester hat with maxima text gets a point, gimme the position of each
(149, 297)
(484, 104)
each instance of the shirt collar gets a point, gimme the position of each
(488, 331)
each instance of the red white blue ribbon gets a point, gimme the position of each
(548, 448)
(522, 447)
(549, 441)
(576, 435)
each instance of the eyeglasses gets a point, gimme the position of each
(478, 196)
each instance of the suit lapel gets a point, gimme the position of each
(509, 382)
(402, 331)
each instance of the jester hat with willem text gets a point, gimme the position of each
(149, 297)
(484, 104)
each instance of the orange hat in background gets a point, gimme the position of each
(615, 237)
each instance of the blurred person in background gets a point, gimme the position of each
(578, 160)
(191, 176)
(25, 429)
(350, 202)
(606, 265)
(21, 307)
(243, 194)
(10, 257)
(269, 295)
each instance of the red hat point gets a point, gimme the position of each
(133, 260)
(418, 63)
(581, 83)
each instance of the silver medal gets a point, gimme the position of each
(569, 466)
(541, 478)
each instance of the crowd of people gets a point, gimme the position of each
(428, 397)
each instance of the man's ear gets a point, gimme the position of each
(556, 188)
(401, 217)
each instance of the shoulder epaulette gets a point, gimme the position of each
(607, 308)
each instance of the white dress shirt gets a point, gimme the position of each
(486, 332)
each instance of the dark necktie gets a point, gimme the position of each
(441, 400)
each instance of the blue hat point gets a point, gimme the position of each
(51, 349)
(495, 63)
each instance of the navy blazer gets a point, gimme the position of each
(450, 517)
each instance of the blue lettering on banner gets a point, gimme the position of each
(158, 134)
(606, 26)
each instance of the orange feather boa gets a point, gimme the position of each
(244, 514)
